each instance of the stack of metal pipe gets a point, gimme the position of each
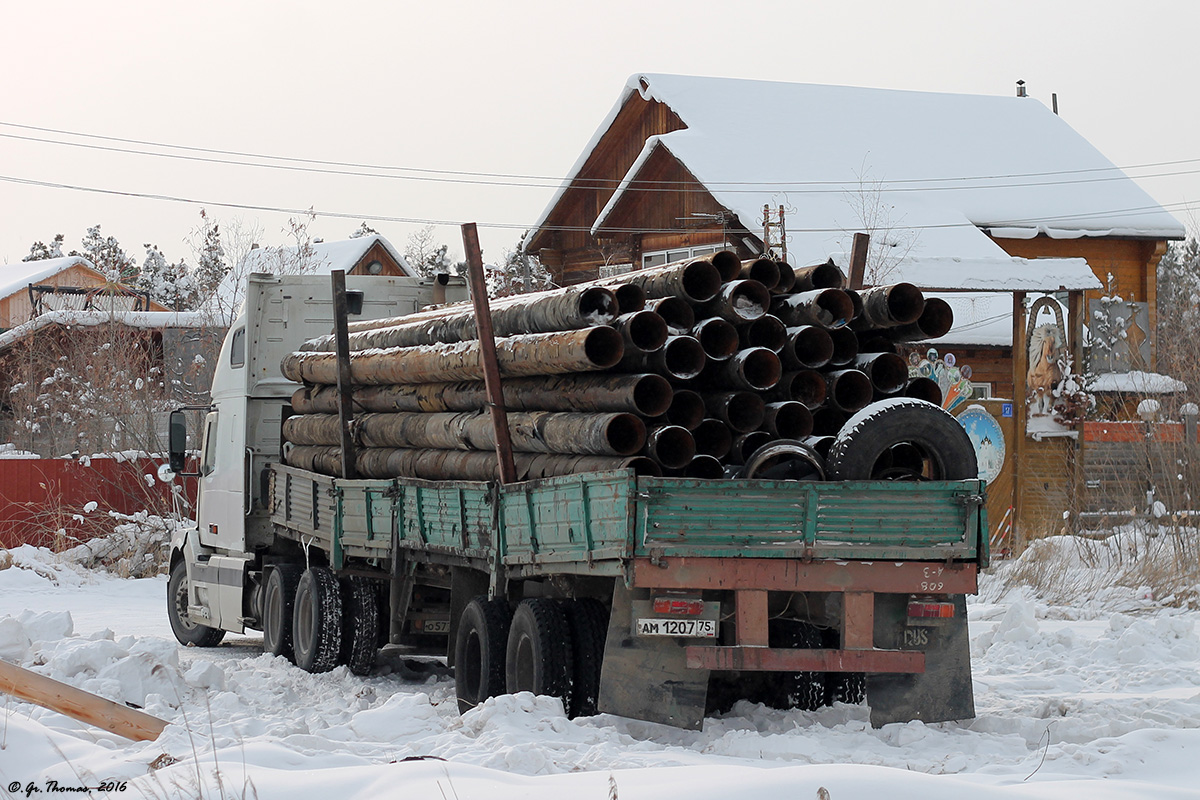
(684, 369)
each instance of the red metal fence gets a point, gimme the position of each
(42, 500)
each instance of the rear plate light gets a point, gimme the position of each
(924, 609)
(679, 606)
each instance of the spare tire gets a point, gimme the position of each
(902, 438)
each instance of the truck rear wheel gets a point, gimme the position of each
(538, 659)
(802, 690)
(479, 651)
(360, 624)
(278, 601)
(588, 621)
(317, 621)
(189, 633)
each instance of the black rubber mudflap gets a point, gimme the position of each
(944, 691)
(646, 677)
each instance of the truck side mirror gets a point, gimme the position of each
(177, 441)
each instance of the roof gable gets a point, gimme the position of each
(16, 277)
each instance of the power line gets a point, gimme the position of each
(352, 169)
(517, 226)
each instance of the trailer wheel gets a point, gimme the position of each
(317, 621)
(360, 624)
(189, 633)
(588, 622)
(479, 651)
(279, 598)
(802, 690)
(539, 651)
(902, 439)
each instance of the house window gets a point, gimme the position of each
(658, 258)
(981, 391)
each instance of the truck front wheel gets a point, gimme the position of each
(189, 633)
(479, 651)
(317, 621)
(539, 650)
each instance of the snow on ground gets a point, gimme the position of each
(1098, 699)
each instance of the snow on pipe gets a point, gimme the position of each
(806, 386)
(584, 350)
(739, 302)
(936, 320)
(764, 270)
(788, 419)
(675, 311)
(808, 347)
(681, 358)
(728, 265)
(642, 330)
(712, 438)
(819, 276)
(686, 409)
(570, 308)
(615, 434)
(755, 369)
(828, 308)
(468, 465)
(646, 394)
(718, 337)
(889, 306)
(767, 331)
(670, 446)
(848, 390)
(696, 281)
(888, 372)
(926, 389)
(745, 445)
(845, 346)
(741, 411)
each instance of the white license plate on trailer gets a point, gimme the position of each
(698, 628)
(436, 626)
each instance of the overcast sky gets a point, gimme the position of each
(513, 88)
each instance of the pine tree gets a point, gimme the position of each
(107, 256)
(211, 264)
(168, 284)
(40, 251)
(1179, 310)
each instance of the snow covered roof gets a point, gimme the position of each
(15, 277)
(980, 319)
(940, 168)
(1000, 274)
(1136, 382)
(156, 320)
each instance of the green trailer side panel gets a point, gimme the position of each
(573, 518)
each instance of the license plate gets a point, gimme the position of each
(701, 628)
(436, 626)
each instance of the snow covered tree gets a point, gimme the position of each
(508, 277)
(211, 264)
(40, 251)
(364, 230)
(1179, 312)
(171, 285)
(426, 256)
(108, 256)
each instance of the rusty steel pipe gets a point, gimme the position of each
(821, 444)
(935, 321)
(828, 308)
(696, 281)
(686, 410)
(675, 311)
(808, 347)
(670, 446)
(857, 300)
(889, 306)
(818, 276)
(828, 421)
(646, 394)
(764, 270)
(789, 419)
(806, 386)
(642, 330)
(888, 372)
(584, 350)
(767, 331)
(718, 337)
(755, 369)
(460, 464)
(703, 467)
(681, 358)
(728, 265)
(570, 308)
(745, 445)
(741, 411)
(847, 390)
(787, 279)
(739, 302)
(712, 438)
(845, 346)
(926, 389)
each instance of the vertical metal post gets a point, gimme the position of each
(487, 351)
(341, 334)
(1020, 360)
(858, 260)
